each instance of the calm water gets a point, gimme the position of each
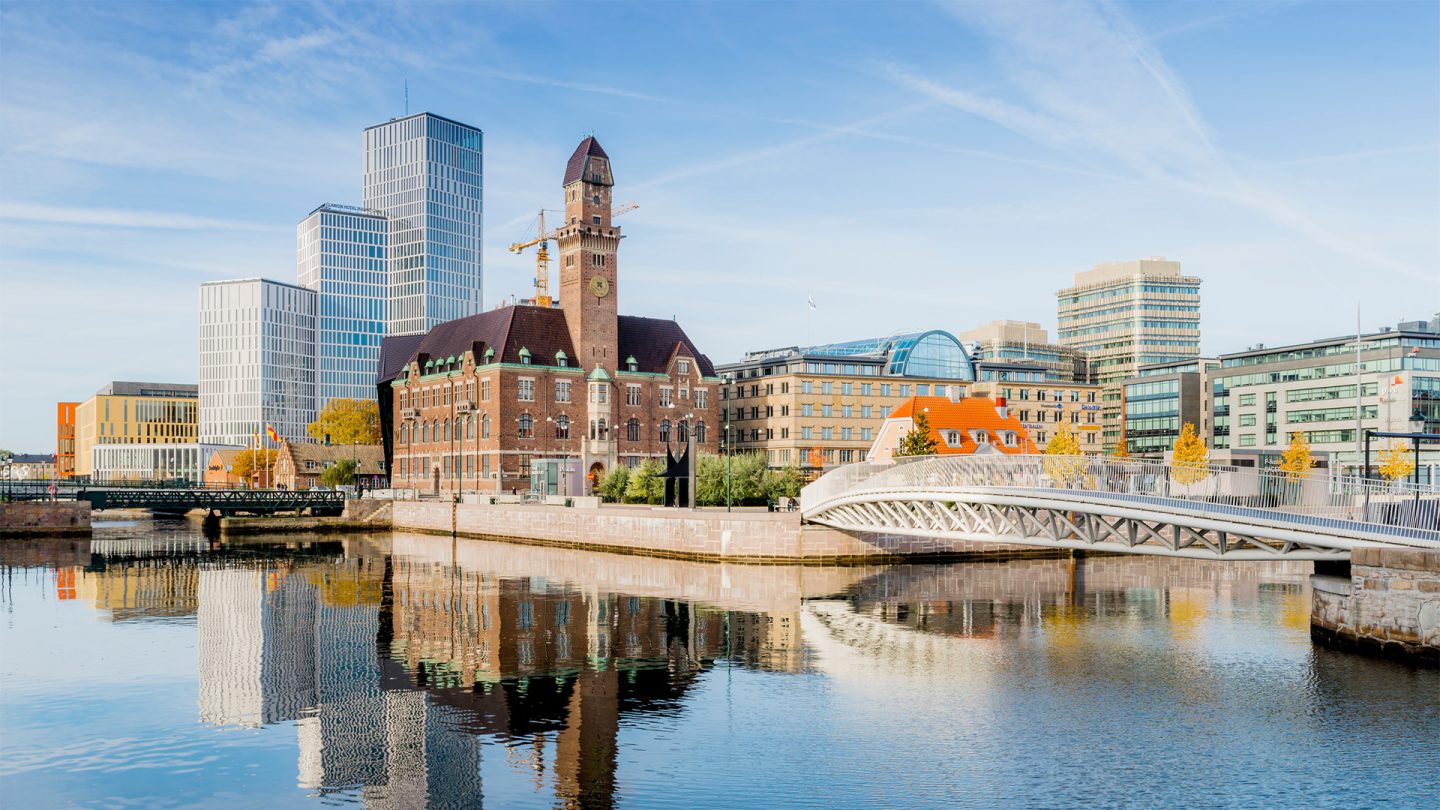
(150, 668)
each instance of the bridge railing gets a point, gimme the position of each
(1313, 499)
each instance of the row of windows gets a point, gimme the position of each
(464, 427)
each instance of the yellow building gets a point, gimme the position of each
(135, 413)
(819, 406)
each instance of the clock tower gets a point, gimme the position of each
(588, 245)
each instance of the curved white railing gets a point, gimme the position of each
(1320, 502)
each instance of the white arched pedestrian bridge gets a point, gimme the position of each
(1123, 505)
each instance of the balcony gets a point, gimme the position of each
(409, 413)
(464, 406)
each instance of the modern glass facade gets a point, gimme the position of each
(425, 173)
(341, 256)
(257, 360)
(934, 354)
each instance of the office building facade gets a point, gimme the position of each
(425, 173)
(818, 406)
(1025, 342)
(134, 413)
(1042, 404)
(1124, 315)
(1262, 396)
(340, 254)
(1161, 400)
(257, 360)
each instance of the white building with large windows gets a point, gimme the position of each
(257, 360)
(340, 254)
(1261, 397)
(425, 173)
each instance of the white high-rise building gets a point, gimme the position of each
(257, 360)
(340, 254)
(425, 173)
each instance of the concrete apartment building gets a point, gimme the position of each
(819, 406)
(1124, 315)
(134, 414)
(1264, 394)
(1025, 342)
(1160, 400)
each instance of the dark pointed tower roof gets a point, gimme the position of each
(588, 148)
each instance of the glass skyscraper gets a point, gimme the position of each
(341, 256)
(425, 173)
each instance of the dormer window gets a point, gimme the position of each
(980, 436)
(561, 360)
(1007, 438)
(952, 438)
(490, 355)
(682, 366)
(524, 356)
(631, 364)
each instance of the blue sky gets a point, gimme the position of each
(911, 165)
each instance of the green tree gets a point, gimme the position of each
(612, 489)
(783, 483)
(1296, 460)
(918, 442)
(1190, 463)
(338, 474)
(347, 421)
(645, 484)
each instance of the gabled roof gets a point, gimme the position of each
(966, 414)
(575, 168)
(539, 330)
(652, 342)
(370, 457)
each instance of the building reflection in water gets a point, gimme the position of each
(395, 668)
(399, 661)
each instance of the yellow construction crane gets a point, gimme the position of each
(542, 256)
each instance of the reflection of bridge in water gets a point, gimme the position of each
(1125, 506)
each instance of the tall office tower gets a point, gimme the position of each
(1124, 315)
(257, 360)
(425, 173)
(340, 254)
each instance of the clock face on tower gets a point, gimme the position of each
(600, 286)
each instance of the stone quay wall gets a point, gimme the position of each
(36, 518)
(749, 536)
(1389, 607)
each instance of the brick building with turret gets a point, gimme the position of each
(473, 403)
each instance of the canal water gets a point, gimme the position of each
(150, 667)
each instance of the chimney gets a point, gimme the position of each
(1001, 409)
(955, 393)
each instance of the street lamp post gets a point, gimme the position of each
(729, 448)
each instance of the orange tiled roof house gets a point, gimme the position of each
(959, 426)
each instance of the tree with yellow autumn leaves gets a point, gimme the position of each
(1190, 462)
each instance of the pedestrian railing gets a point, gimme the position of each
(1313, 499)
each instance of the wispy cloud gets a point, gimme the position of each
(118, 218)
(1086, 80)
(545, 81)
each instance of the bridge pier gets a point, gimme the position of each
(1385, 602)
